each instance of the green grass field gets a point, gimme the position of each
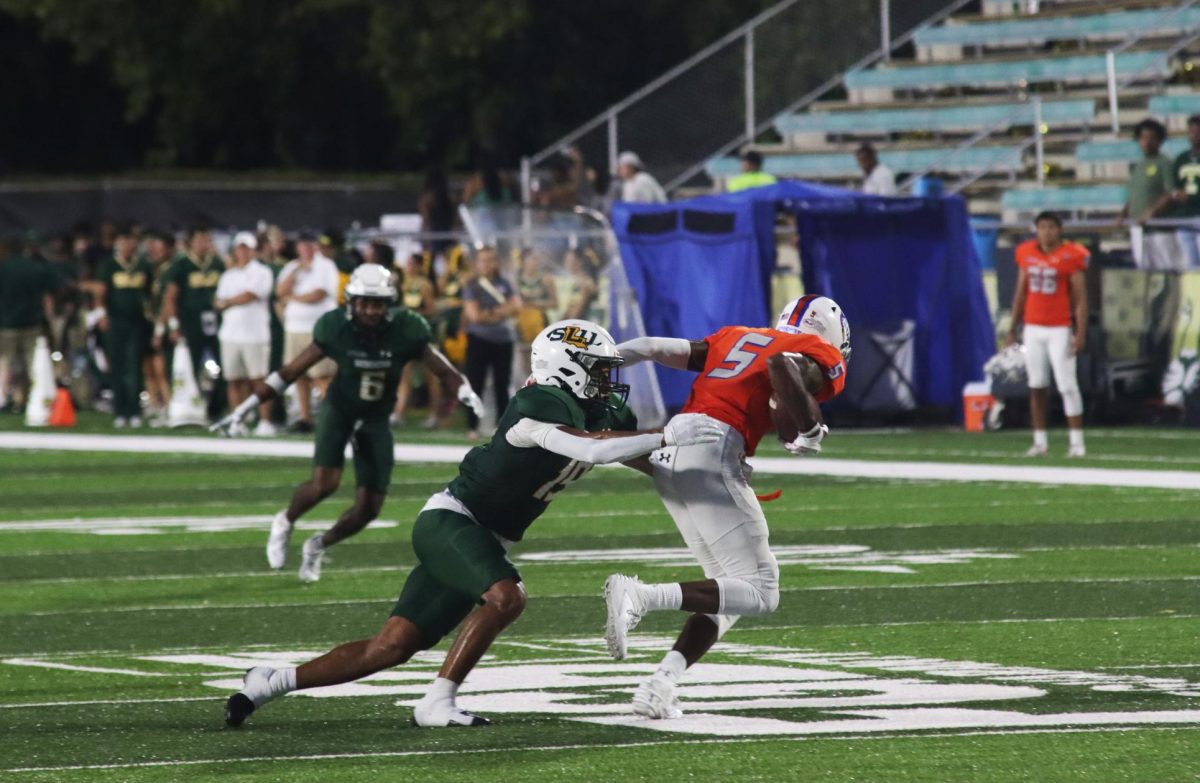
(928, 630)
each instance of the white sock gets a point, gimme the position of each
(661, 596)
(1039, 438)
(279, 682)
(442, 690)
(1075, 437)
(673, 666)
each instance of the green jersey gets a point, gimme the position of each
(23, 282)
(506, 487)
(369, 366)
(197, 280)
(128, 288)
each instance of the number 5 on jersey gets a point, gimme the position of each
(740, 357)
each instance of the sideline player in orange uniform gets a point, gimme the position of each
(744, 373)
(1050, 289)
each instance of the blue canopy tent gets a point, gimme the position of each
(904, 269)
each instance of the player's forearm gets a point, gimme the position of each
(789, 385)
(668, 351)
(600, 448)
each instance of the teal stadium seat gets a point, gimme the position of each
(1122, 151)
(841, 165)
(1086, 68)
(1071, 199)
(1175, 105)
(947, 118)
(1117, 24)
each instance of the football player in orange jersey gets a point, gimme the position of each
(1050, 291)
(744, 373)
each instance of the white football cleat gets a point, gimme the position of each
(1076, 451)
(265, 429)
(655, 699)
(310, 566)
(1036, 451)
(625, 610)
(281, 532)
(442, 713)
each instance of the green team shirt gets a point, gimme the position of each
(23, 281)
(506, 487)
(197, 280)
(1187, 179)
(128, 286)
(369, 369)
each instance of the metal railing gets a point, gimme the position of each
(755, 64)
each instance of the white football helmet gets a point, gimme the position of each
(579, 357)
(1008, 366)
(819, 316)
(369, 281)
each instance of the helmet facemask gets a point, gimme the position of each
(603, 375)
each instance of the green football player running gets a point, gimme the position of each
(371, 343)
(570, 417)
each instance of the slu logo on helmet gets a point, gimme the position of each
(574, 336)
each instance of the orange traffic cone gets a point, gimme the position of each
(62, 414)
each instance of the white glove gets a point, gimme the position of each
(688, 429)
(808, 442)
(468, 397)
(231, 426)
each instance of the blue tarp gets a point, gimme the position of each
(887, 261)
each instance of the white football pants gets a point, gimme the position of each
(1048, 349)
(705, 490)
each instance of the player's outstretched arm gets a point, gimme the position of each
(452, 380)
(674, 352)
(270, 388)
(600, 448)
(795, 378)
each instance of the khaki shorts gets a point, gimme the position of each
(294, 344)
(16, 347)
(245, 361)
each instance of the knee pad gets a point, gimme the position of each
(1072, 401)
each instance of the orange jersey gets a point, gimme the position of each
(1048, 301)
(735, 386)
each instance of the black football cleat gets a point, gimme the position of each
(237, 709)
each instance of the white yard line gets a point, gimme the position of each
(74, 668)
(601, 746)
(929, 471)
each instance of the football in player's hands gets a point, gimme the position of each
(785, 423)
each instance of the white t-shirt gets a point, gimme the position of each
(301, 317)
(880, 182)
(643, 188)
(249, 322)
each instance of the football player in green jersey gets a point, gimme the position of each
(571, 417)
(370, 343)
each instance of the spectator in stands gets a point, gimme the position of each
(1187, 193)
(1050, 302)
(437, 209)
(188, 305)
(242, 298)
(752, 175)
(418, 295)
(332, 244)
(489, 305)
(879, 179)
(156, 362)
(307, 288)
(638, 185)
(26, 304)
(539, 297)
(568, 186)
(123, 285)
(583, 289)
(1154, 247)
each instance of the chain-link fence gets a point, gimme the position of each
(730, 93)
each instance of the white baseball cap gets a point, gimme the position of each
(245, 238)
(628, 158)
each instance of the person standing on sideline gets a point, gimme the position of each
(26, 302)
(752, 175)
(880, 181)
(123, 285)
(489, 306)
(187, 303)
(1151, 183)
(243, 295)
(1050, 292)
(1187, 195)
(307, 288)
(637, 184)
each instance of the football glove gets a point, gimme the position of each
(808, 442)
(232, 426)
(688, 429)
(468, 397)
